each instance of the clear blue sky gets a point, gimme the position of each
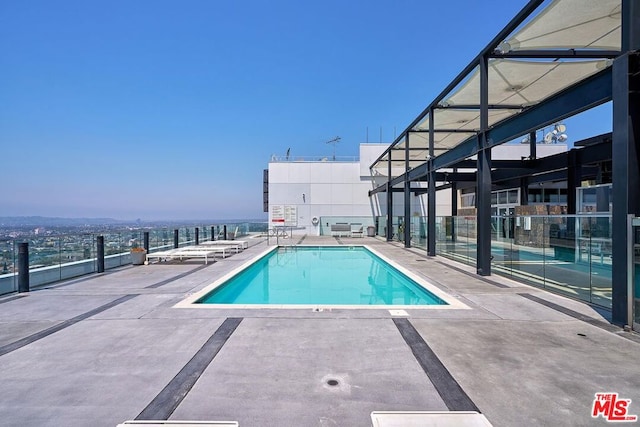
(171, 109)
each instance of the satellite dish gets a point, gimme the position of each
(548, 138)
(563, 137)
(560, 127)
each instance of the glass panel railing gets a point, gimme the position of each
(381, 222)
(635, 247)
(419, 232)
(567, 254)
(529, 249)
(160, 239)
(116, 251)
(456, 238)
(8, 277)
(596, 235)
(501, 244)
(57, 257)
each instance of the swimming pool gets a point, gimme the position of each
(345, 276)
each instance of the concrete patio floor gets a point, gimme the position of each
(104, 348)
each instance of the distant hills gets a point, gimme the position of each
(44, 221)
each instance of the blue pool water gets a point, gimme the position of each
(321, 275)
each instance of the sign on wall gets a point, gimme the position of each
(284, 215)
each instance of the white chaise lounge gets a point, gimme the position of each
(224, 250)
(182, 254)
(240, 244)
(244, 243)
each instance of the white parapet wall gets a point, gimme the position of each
(302, 193)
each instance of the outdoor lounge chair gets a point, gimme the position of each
(244, 244)
(220, 243)
(357, 231)
(177, 423)
(182, 254)
(224, 250)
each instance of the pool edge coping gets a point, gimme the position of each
(452, 303)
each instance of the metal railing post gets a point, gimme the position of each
(100, 253)
(23, 267)
(197, 236)
(224, 232)
(146, 241)
(213, 232)
(176, 240)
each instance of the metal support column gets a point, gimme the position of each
(524, 182)
(524, 191)
(146, 241)
(574, 178)
(625, 154)
(23, 267)
(431, 191)
(389, 202)
(454, 196)
(626, 174)
(532, 145)
(454, 207)
(176, 239)
(483, 180)
(407, 195)
(100, 253)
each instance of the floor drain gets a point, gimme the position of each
(332, 383)
(581, 335)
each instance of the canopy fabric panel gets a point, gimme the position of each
(515, 84)
(511, 83)
(523, 82)
(571, 24)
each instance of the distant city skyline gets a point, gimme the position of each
(165, 110)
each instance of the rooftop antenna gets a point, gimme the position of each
(334, 141)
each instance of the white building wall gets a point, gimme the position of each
(339, 189)
(319, 189)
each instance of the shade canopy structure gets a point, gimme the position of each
(549, 47)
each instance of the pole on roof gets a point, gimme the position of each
(454, 206)
(100, 253)
(532, 145)
(389, 202)
(483, 180)
(176, 239)
(407, 196)
(625, 162)
(23, 267)
(431, 190)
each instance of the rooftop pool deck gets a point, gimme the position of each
(101, 349)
